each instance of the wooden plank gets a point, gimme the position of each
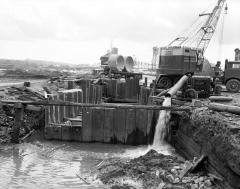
(48, 132)
(103, 105)
(150, 117)
(56, 110)
(87, 125)
(108, 124)
(98, 91)
(130, 81)
(95, 94)
(51, 112)
(130, 126)
(61, 108)
(119, 126)
(68, 98)
(56, 132)
(77, 133)
(47, 115)
(66, 132)
(136, 88)
(127, 88)
(141, 125)
(100, 94)
(75, 108)
(91, 100)
(98, 125)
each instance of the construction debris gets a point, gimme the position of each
(153, 170)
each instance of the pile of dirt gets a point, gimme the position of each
(153, 170)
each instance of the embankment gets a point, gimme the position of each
(215, 135)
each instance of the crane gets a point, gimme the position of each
(185, 53)
(201, 37)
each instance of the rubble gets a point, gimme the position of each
(33, 118)
(152, 170)
(217, 135)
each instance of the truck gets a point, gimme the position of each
(231, 76)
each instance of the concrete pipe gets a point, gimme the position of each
(116, 62)
(129, 63)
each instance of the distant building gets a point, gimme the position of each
(237, 54)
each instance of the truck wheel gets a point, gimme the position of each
(191, 93)
(165, 82)
(233, 85)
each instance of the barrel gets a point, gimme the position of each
(116, 62)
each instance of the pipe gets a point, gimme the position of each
(172, 91)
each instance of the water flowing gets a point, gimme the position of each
(162, 125)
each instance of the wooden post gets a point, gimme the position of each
(146, 81)
(18, 107)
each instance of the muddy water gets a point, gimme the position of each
(53, 164)
(49, 164)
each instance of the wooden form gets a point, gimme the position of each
(107, 125)
(127, 89)
(103, 105)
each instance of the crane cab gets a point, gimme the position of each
(175, 62)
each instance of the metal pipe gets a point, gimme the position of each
(172, 91)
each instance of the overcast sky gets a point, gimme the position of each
(80, 31)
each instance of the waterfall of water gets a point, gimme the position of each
(162, 125)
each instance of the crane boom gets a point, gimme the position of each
(207, 31)
(201, 37)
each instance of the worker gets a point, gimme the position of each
(218, 70)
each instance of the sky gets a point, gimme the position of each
(80, 31)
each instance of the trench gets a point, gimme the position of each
(208, 135)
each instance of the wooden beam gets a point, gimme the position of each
(104, 105)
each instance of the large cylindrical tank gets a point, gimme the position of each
(116, 62)
(129, 63)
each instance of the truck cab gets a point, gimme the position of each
(232, 76)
